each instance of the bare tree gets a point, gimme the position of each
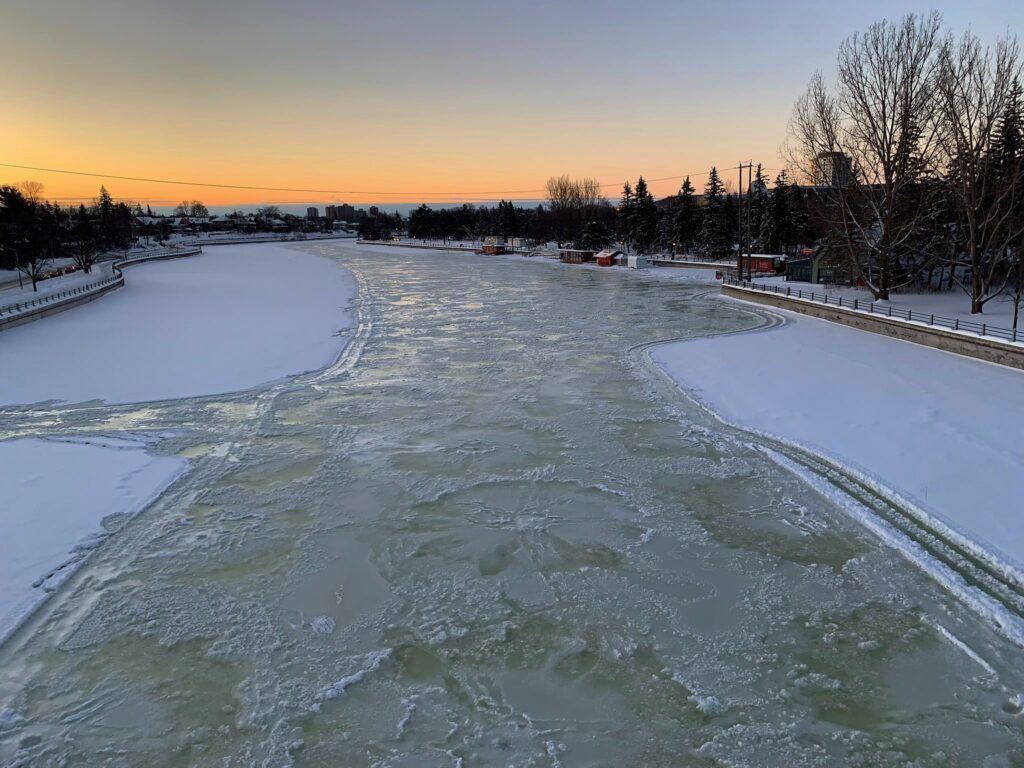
(868, 146)
(31, 190)
(573, 203)
(191, 208)
(974, 88)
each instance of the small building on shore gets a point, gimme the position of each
(575, 255)
(609, 257)
(825, 265)
(494, 245)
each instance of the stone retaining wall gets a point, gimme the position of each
(69, 302)
(978, 347)
(44, 310)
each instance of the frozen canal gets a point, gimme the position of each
(492, 535)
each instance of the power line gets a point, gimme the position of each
(317, 191)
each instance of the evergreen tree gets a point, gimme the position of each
(627, 209)
(683, 219)
(84, 242)
(594, 236)
(1008, 141)
(759, 206)
(777, 227)
(422, 222)
(1009, 151)
(714, 241)
(106, 225)
(645, 218)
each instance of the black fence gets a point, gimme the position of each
(882, 310)
(22, 307)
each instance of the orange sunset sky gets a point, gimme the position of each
(408, 102)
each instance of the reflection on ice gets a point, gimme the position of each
(495, 541)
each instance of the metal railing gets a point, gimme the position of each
(55, 298)
(883, 310)
(22, 307)
(725, 261)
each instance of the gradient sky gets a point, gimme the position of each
(401, 101)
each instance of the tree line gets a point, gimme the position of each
(35, 232)
(576, 214)
(916, 157)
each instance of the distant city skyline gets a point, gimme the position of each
(402, 102)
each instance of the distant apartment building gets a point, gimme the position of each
(312, 213)
(343, 212)
(833, 169)
(374, 210)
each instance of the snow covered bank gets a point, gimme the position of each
(54, 497)
(953, 304)
(223, 321)
(15, 295)
(941, 430)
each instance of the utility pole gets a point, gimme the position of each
(750, 207)
(739, 225)
(740, 240)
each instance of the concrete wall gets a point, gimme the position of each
(979, 347)
(69, 302)
(45, 310)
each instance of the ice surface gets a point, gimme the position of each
(939, 429)
(372, 661)
(55, 494)
(226, 320)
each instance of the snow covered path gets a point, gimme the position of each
(55, 495)
(227, 320)
(941, 430)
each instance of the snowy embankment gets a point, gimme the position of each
(220, 322)
(15, 295)
(223, 321)
(55, 495)
(953, 304)
(940, 430)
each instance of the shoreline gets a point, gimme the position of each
(239, 318)
(946, 530)
(85, 488)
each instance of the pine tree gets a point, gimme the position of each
(645, 218)
(1009, 150)
(1009, 136)
(685, 217)
(759, 205)
(714, 241)
(626, 215)
(594, 236)
(85, 243)
(106, 223)
(777, 227)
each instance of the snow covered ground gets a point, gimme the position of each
(942, 431)
(55, 495)
(222, 321)
(16, 295)
(952, 304)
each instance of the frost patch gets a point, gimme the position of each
(10, 719)
(373, 661)
(322, 625)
